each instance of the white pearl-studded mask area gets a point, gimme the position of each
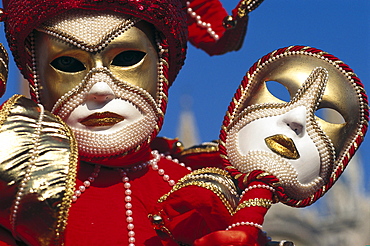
(289, 137)
(83, 28)
(285, 140)
(107, 117)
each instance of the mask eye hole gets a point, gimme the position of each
(68, 64)
(128, 58)
(330, 115)
(278, 90)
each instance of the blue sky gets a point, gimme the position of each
(340, 27)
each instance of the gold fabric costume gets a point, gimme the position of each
(38, 165)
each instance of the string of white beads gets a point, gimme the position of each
(161, 77)
(154, 165)
(201, 23)
(35, 76)
(259, 186)
(128, 206)
(244, 224)
(86, 184)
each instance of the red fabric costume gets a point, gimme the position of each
(98, 218)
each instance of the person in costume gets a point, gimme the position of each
(76, 161)
(276, 151)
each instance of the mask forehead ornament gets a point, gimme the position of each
(83, 28)
(305, 153)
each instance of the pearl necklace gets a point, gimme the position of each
(153, 163)
(202, 24)
(86, 184)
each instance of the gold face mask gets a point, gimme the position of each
(329, 143)
(291, 71)
(103, 82)
(131, 57)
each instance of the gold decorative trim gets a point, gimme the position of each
(213, 170)
(7, 106)
(159, 225)
(201, 179)
(201, 184)
(70, 184)
(256, 202)
(205, 148)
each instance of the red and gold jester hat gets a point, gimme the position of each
(315, 80)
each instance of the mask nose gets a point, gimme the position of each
(295, 120)
(100, 93)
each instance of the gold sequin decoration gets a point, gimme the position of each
(214, 179)
(256, 202)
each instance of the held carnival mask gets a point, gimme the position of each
(304, 152)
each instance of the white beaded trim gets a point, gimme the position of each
(35, 77)
(128, 206)
(244, 224)
(201, 23)
(34, 153)
(154, 165)
(168, 157)
(161, 78)
(259, 186)
(82, 28)
(161, 171)
(126, 26)
(86, 184)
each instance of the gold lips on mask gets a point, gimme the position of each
(282, 145)
(102, 119)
